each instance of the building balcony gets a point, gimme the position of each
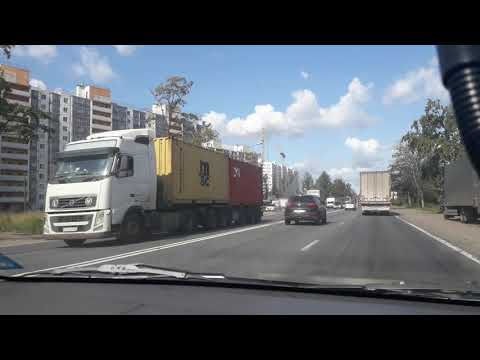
(11, 189)
(14, 167)
(12, 178)
(6, 155)
(101, 108)
(102, 127)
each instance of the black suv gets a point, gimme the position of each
(305, 208)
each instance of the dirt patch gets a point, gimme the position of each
(15, 239)
(465, 236)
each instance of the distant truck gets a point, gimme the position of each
(375, 192)
(330, 202)
(128, 183)
(313, 192)
(461, 191)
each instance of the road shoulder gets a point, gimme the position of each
(14, 239)
(463, 236)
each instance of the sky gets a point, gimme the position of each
(333, 108)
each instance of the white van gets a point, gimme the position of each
(331, 202)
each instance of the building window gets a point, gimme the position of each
(40, 176)
(44, 96)
(40, 197)
(65, 100)
(65, 118)
(65, 109)
(65, 128)
(41, 186)
(41, 166)
(42, 146)
(65, 138)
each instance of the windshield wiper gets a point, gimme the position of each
(124, 270)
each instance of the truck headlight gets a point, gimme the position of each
(99, 219)
(46, 228)
(54, 203)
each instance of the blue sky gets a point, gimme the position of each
(384, 88)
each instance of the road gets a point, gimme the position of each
(349, 245)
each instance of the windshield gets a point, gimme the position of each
(256, 153)
(82, 168)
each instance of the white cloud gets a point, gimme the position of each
(365, 153)
(304, 74)
(417, 85)
(93, 65)
(43, 53)
(125, 50)
(38, 84)
(303, 114)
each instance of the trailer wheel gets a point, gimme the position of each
(189, 222)
(211, 220)
(467, 215)
(221, 218)
(447, 217)
(75, 243)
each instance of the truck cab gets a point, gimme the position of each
(98, 181)
(331, 202)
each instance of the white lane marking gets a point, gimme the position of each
(306, 247)
(333, 212)
(152, 249)
(442, 241)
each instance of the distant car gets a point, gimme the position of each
(270, 208)
(350, 206)
(305, 208)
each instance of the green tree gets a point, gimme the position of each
(324, 184)
(203, 132)
(308, 181)
(18, 120)
(433, 139)
(170, 96)
(339, 188)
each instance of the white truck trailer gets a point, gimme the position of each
(375, 192)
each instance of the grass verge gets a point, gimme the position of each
(26, 223)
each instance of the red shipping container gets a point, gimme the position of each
(245, 183)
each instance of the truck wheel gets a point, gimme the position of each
(221, 219)
(75, 243)
(211, 221)
(287, 222)
(447, 217)
(250, 217)
(242, 218)
(131, 228)
(189, 223)
(466, 215)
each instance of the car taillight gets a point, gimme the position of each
(312, 206)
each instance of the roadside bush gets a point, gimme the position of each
(26, 223)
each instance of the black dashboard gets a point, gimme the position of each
(45, 298)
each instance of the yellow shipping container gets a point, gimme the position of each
(189, 174)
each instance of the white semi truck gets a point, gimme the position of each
(125, 183)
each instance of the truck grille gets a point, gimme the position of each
(71, 218)
(76, 202)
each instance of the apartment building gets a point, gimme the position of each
(101, 107)
(282, 181)
(119, 117)
(14, 152)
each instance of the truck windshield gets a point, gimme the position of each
(83, 168)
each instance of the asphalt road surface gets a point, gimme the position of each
(349, 245)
